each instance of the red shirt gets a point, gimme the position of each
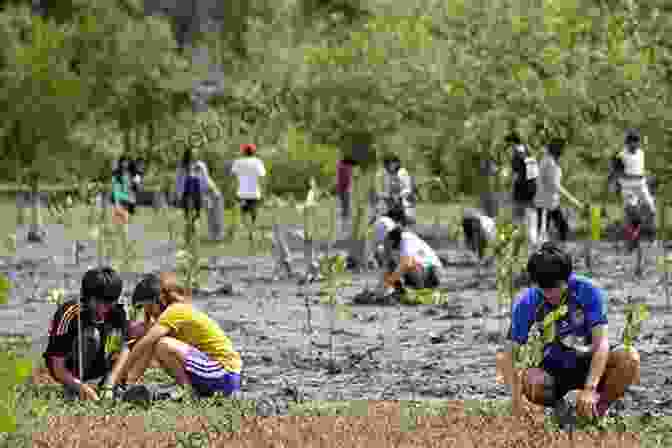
(343, 177)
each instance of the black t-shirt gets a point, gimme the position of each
(63, 329)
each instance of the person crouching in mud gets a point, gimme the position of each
(479, 232)
(106, 336)
(599, 374)
(416, 266)
(187, 342)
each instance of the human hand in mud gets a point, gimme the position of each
(585, 400)
(87, 392)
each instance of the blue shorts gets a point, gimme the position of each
(208, 376)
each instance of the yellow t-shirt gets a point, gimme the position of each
(197, 329)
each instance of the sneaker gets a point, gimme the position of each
(565, 415)
(69, 394)
(136, 393)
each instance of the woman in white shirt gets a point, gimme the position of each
(249, 169)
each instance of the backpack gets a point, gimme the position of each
(526, 170)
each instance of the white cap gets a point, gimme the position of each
(383, 225)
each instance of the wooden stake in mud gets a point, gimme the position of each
(80, 338)
(667, 282)
(595, 230)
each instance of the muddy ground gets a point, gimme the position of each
(381, 353)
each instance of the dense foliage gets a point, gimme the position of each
(438, 82)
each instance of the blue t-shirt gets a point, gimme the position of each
(586, 309)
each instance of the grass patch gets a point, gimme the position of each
(222, 415)
(154, 226)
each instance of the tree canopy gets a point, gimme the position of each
(438, 82)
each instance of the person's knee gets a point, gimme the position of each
(628, 363)
(538, 387)
(625, 358)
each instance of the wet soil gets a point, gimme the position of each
(379, 353)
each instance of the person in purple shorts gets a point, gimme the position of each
(186, 342)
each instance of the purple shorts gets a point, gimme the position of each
(208, 376)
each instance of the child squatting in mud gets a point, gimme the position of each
(600, 374)
(106, 336)
(185, 341)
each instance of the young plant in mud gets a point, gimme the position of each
(13, 373)
(10, 245)
(308, 210)
(62, 210)
(635, 315)
(664, 264)
(188, 258)
(426, 296)
(260, 244)
(333, 270)
(509, 262)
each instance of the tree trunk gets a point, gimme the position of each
(36, 231)
(358, 243)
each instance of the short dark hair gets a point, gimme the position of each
(632, 136)
(391, 157)
(103, 284)
(394, 236)
(147, 291)
(513, 138)
(549, 266)
(556, 147)
(397, 214)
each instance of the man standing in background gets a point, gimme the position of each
(249, 169)
(344, 194)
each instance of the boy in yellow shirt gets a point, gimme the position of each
(185, 341)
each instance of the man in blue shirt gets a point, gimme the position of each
(601, 376)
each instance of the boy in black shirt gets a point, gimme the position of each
(105, 336)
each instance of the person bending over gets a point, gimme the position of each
(599, 373)
(479, 231)
(105, 336)
(417, 266)
(187, 342)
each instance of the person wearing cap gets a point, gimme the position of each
(105, 336)
(577, 356)
(185, 341)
